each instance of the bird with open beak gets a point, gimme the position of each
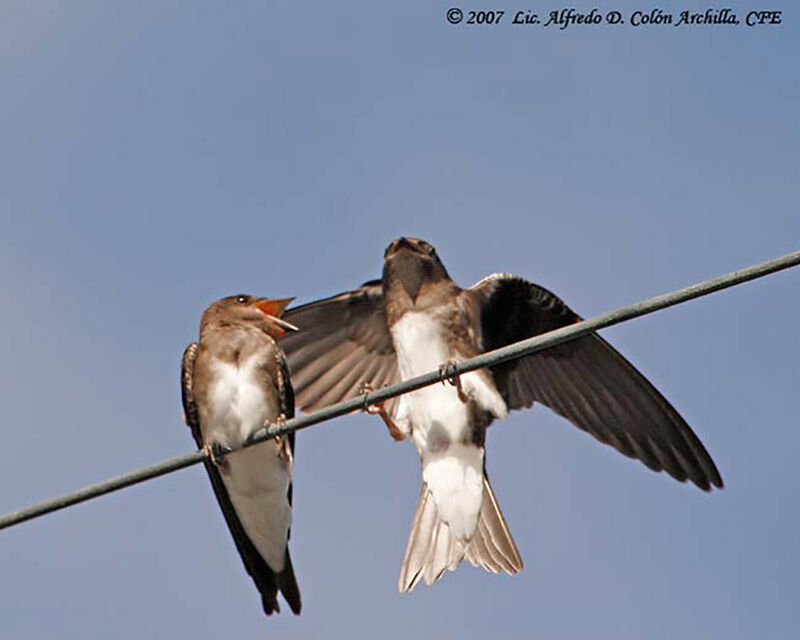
(416, 319)
(234, 382)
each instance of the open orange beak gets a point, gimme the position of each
(273, 308)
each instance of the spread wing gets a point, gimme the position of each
(265, 578)
(585, 380)
(342, 343)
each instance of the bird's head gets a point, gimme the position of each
(261, 313)
(411, 263)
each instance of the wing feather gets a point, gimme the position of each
(343, 342)
(585, 380)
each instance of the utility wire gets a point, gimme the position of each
(510, 352)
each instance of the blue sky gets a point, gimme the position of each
(158, 155)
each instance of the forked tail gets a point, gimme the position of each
(432, 548)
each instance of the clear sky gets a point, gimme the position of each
(157, 155)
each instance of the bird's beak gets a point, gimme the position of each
(400, 243)
(273, 308)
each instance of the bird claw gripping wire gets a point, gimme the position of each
(379, 408)
(448, 372)
(284, 450)
(215, 453)
(364, 389)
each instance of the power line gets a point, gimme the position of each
(510, 352)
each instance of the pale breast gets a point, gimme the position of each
(437, 414)
(257, 478)
(238, 401)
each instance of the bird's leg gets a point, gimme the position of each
(282, 440)
(379, 408)
(214, 452)
(447, 371)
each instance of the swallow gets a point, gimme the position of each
(415, 319)
(234, 381)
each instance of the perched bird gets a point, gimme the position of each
(417, 319)
(234, 381)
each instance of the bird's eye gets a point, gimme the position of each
(241, 299)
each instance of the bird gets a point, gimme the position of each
(415, 319)
(233, 382)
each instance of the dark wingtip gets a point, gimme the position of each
(709, 484)
(269, 601)
(714, 478)
(287, 583)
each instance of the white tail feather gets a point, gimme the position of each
(433, 550)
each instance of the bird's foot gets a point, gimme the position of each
(215, 453)
(373, 409)
(379, 408)
(449, 375)
(280, 420)
(284, 447)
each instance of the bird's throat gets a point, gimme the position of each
(411, 272)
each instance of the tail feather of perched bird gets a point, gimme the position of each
(234, 381)
(493, 547)
(415, 319)
(433, 549)
(287, 584)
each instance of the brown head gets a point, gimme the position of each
(243, 310)
(410, 263)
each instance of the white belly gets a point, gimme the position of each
(238, 402)
(437, 413)
(440, 424)
(257, 478)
